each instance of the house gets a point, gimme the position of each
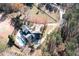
(26, 35)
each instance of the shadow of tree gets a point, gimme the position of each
(11, 42)
(17, 23)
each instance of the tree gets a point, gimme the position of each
(49, 7)
(29, 5)
(71, 30)
(52, 41)
(17, 22)
(68, 35)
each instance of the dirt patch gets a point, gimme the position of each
(5, 30)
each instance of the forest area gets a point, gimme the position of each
(65, 41)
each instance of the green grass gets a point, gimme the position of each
(2, 47)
